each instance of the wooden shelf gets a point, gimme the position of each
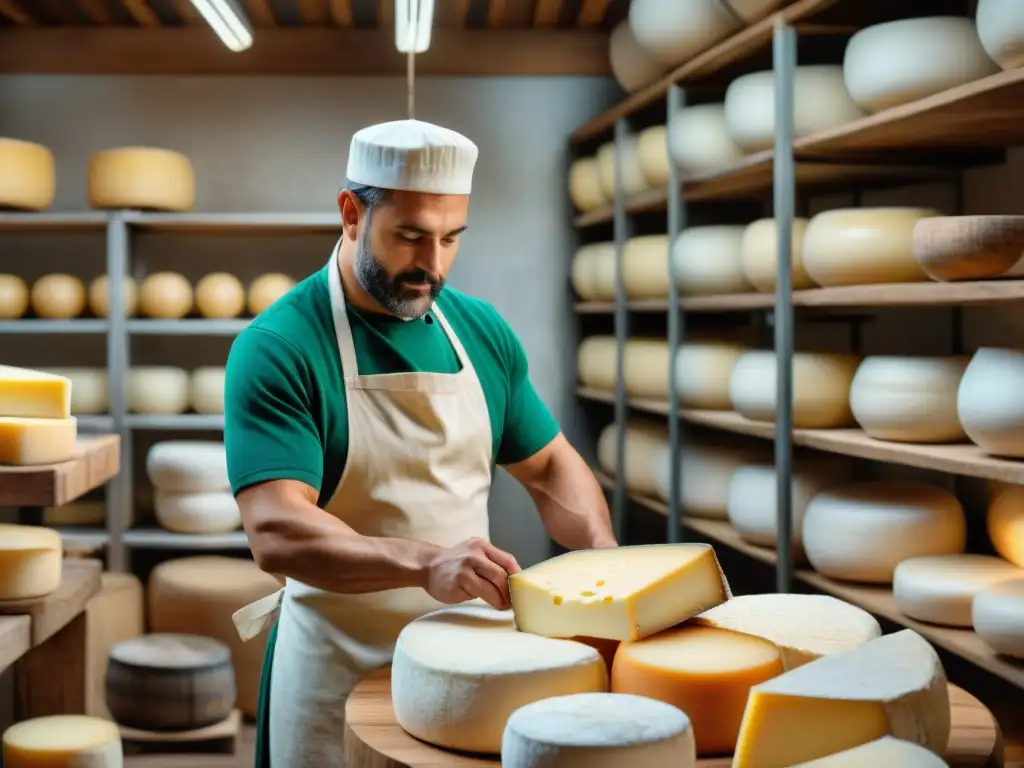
(50, 614)
(47, 485)
(15, 639)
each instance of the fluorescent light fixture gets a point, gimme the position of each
(413, 20)
(228, 21)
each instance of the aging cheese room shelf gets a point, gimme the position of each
(55, 484)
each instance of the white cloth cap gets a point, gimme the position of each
(413, 156)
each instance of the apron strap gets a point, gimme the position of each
(256, 617)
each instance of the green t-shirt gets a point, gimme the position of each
(285, 414)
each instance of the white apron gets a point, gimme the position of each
(419, 467)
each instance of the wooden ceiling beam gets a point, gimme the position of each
(188, 13)
(142, 13)
(313, 12)
(451, 13)
(592, 13)
(545, 13)
(386, 15)
(96, 11)
(14, 12)
(496, 13)
(341, 13)
(261, 14)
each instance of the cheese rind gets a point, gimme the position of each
(166, 295)
(57, 296)
(63, 741)
(209, 512)
(597, 362)
(1005, 523)
(891, 686)
(34, 394)
(28, 178)
(644, 439)
(207, 389)
(885, 752)
(158, 389)
(989, 404)
(31, 442)
(188, 466)
(141, 177)
(998, 617)
(705, 473)
(89, 388)
(626, 593)
(30, 561)
(266, 289)
(940, 589)
(220, 295)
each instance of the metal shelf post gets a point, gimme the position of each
(677, 220)
(119, 491)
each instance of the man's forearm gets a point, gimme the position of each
(572, 504)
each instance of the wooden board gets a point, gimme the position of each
(50, 485)
(79, 582)
(219, 738)
(374, 740)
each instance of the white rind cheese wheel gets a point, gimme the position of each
(58, 297)
(593, 271)
(645, 368)
(652, 153)
(952, 248)
(266, 289)
(30, 561)
(158, 389)
(208, 389)
(459, 673)
(709, 261)
(210, 512)
(633, 181)
(862, 531)
(760, 255)
(165, 295)
(220, 295)
(99, 298)
(89, 388)
(821, 388)
(14, 297)
(633, 67)
(1005, 523)
(703, 371)
(897, 62)
(998, 617)
(63, 741)
(644, 439)
(699, 142)
(585, 185)
(188, 466)
(28, 442)
(597, 730)
(673, 33)
(939, 589)
(597, 362)
(705, 472)
(820, 98)
(885, 751)
(145, 178)
(1001, 31)
(28, 177)
(645, 267)
(990, 402)
(908, 399)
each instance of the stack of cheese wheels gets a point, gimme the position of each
(585, 185)
(220, 295)
(897, 62)
(192, 492)
(652, 153)
(28, 179)
(632, 66)
(699, 141)
(1001, 31)
(266, 289)
(705, 472)
(114, 614)
(821, 388)
(31, 557)
(709, 260)
(760, 255)
(950, 248)
(58, 297)
(644, 439)
(1005, 523)
(820, 100)
(703, 372)
(63, 740)
(99, 296)
(645, 368)
(158, 389)
(908, 399)
(14, 297)
(165, 295)
(36, 425)
(939, 589)
(597, 362)
(862, 531)
(207, 389)
(997, 614)
(141, 177)
(859, 246)
(633, 181)
(198, 595)
(593, 272)
(990, 401)
(673, 33)
(645, 267)
(89, 388)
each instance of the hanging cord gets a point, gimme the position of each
(410, 82)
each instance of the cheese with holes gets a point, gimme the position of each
(165, 295)
(939, 589)
(760, 255)
(34, 394)
(198, 595)
(699, 140)
(645, 267)
(76, 513)
(990, 401)
(703, 371)
(885, 751)
(459, 673)
(597, 362)
(113, 614)
(147, 178)
(585, 185)
(644, 439)
(645, 368)
(58, 297)
(997, 614)
(14, 293)
(30, 561)
(652, 152)
(1001, 31)
(891, 686)
(207, 389)
(821, 388)
(266, 289)
(220, 295)
(29, 442)
(89, 388)
(593, 271)
(63, 741)
(1005, 523)
(709, 260)
(209, 512)
(804, 627)
(597, 730)
(28, 177)
(158, 389)
(633, 181)
(705, 472)
(894, 63)
(861, 246)
(705, 671)
(673, 33)
(626, 593)
(99, 296)
(188, 466)
(862, 531)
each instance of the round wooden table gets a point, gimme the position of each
(373, 739)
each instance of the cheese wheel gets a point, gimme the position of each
(1001, 31)
(952, 248)
(897, 62)
(709, 260)
(188, 466)
(99, 301)
(597, 730)
(76, 513)
(1005, 523)
(884, 751)
(939, 589)
(673, 33)
(113, 614)
(208, 389)
(209, 512)
(760, 255)
(30, 561)
(58, 296)
(158, 389)
(585, 185)
(862, 531)
(908, 399)
(752, 10)
(699, 142)
(459, 673)
(990, 401)
(165, 295)
(266, 289)
(652, 154)
(89, 388)
(593, 271)
(705, 472)
(28, 178)
(33, 441)
(645, 267)
(220, 295)
(821, 388)
(997, 614)
(632, 66)
(645, 368)
(199, 595)
(859, 246)
(820, 101)
(14, 295)
(703, 372)
(633, 181)
(146, 178)
(704, 671)
(644, 439)
(63, 741)
(597, 362)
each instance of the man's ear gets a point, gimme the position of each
(351, 212)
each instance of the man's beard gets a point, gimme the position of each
(387, 290)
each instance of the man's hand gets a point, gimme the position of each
(471, 569)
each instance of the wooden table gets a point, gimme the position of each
(374, 740)
(50, 485)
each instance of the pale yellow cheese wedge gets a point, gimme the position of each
(30, 561)
(27, 442)
(34, 394)
(63, 741)
(886, 752)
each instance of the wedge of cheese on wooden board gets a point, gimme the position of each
(881, 753)
(26, 442)
(34, 394)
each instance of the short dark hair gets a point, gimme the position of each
(369, 196)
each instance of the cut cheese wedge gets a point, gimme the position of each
(63, 741)
(30, 561)
(804, 627)
(28, 442)
(34, 394)
(626, 593)
(892, 686)
(886, 752)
